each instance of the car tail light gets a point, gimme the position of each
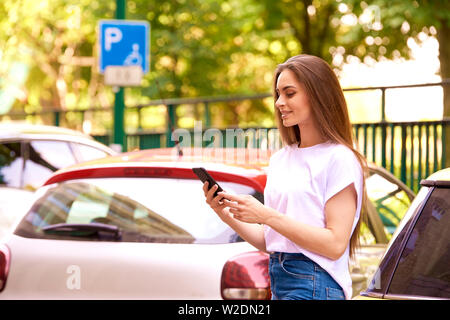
(246, 277)
(5, 258)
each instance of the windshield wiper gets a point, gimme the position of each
(83, 229)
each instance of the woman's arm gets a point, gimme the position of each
(250, 232)
(330, 241)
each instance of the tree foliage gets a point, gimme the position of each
(56, 39)
(205, 47)
(336, 29)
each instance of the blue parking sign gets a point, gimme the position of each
(124, 43)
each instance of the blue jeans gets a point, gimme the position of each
(293, 276)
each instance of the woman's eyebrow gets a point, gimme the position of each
(287, 87)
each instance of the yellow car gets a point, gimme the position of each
(416, 265)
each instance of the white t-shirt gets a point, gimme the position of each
(299, 183)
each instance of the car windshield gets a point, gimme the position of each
(144, 209)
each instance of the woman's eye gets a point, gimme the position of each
(290, 94)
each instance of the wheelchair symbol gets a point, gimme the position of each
(134, 58)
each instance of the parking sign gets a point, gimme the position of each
(124, 43)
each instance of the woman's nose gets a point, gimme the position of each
(279, 103)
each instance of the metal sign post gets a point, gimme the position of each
(124, 59)
(119, 96)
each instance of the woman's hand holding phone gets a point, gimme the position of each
(216, 203)
(211, 189)
(244, 208)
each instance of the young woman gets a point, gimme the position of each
(315, 188)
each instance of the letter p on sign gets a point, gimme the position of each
(112, 35)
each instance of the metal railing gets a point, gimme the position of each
(410, 150)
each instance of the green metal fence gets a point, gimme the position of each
(410, 150)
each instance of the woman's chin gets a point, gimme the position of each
(288, 123)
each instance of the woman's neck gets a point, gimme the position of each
(310, 137)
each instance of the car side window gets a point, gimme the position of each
(86, 153)
(423, 269)
(11, 164)
(43, 158)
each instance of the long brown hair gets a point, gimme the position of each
(329, 109)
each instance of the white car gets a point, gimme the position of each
(30, 153)
(126, 227)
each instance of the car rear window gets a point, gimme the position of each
(144, 210)
(423, 269)
(381, 279)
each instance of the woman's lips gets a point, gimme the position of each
(285, 114)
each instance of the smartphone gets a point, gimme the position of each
(203, 175)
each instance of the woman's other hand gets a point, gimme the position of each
(222, 205)
(245, 208)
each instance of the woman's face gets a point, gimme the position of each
(292, 100)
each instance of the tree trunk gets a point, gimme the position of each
(443, 37)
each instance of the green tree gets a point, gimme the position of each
(207, 48)
(56, 39)
(198, 48)
(413, 18)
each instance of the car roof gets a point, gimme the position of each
(437, 179)
(441, 175)
(18, 130)
(169, 163)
